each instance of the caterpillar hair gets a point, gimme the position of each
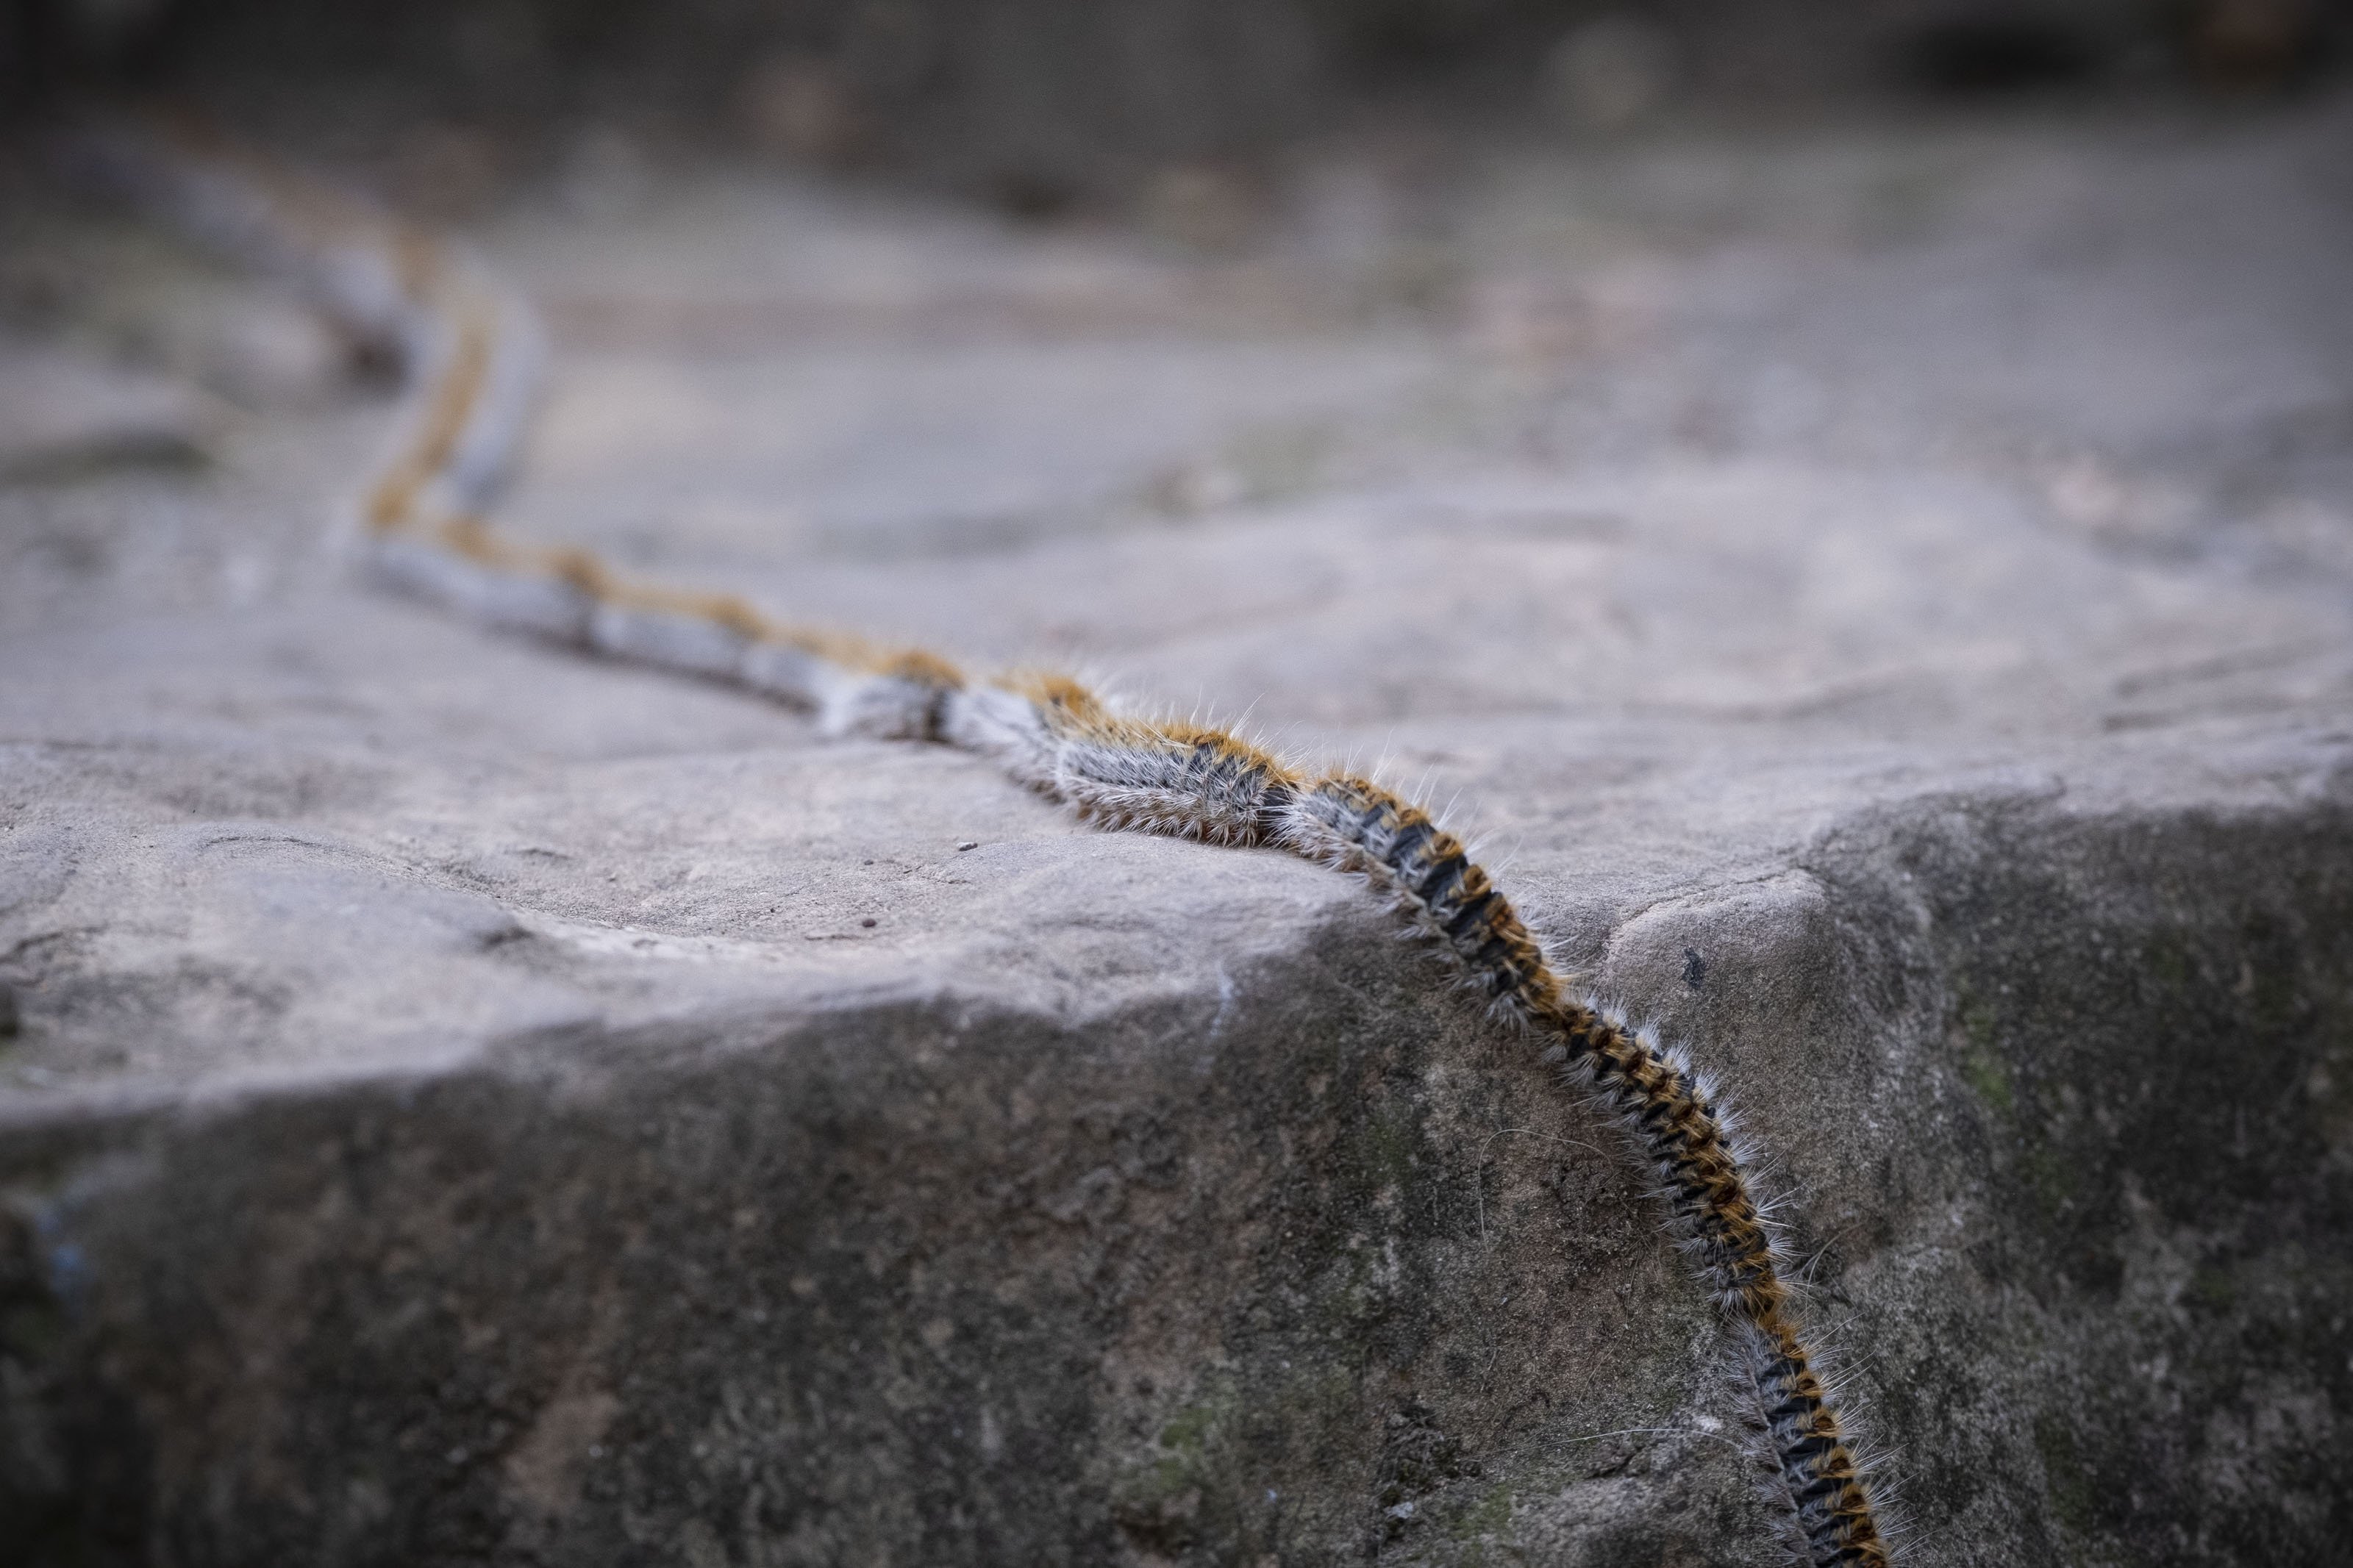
(474, 357)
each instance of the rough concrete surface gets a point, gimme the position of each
(1878, 595)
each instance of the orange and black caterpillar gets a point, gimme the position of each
(1669, 1110)
(473, 352)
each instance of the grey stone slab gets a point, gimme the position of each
(460, 1110)
(64, 413)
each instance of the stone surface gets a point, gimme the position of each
(1878, 596)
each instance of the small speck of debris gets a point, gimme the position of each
(969, 844)
(1694, 968)
(868, 922)
(866, 862)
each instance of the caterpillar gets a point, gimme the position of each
(473, 356)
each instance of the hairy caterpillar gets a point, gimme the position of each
(474, 353)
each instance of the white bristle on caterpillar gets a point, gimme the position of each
(1008, 728)
(1178, 783)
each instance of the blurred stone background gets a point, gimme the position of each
(1044, 103)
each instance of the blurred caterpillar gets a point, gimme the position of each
(473, 353)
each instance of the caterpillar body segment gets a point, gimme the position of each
(1180, 780)
(431, 571)
(883, 696)
(460, 565)
(541, 604)
(1683, 1136)
(1356, 825)
(1811, 1467)
(1171, 777)
(785, 672)
(667, 637)
(1005, 726)
(365, 294)
(473, 356)
(885, 705)
(451, 397)
(482, 457)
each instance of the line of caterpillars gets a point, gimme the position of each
(474, 355)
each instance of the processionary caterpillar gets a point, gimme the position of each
(472, 353)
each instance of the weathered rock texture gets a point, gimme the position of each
(1883, 600)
